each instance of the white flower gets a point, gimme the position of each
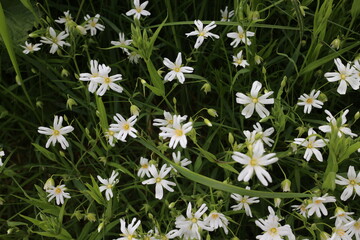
(56, 132)
(240, 36)
(341, 217)
(340, 233)
(168, 121)
(122, 42)
(272, 228)
(2, 153)
(317, 205)
(110, 137)
(301, 209)
(59, 193)
(216, 220)
(311, 145)
(108, 184)
(352, 182)
(244, 202)
(66, 18)
(94, 68)
(342, 129)
(128, 232)
(189, 227)
(158, 179)
(255, 163)
(176, 133)
(357, 69)
(178, 161)
(106, 81)
(225, 15)
(93, 25)
(263, 135)
(239, 61)
(177, 71)
(56, 41)
(202, 32)
(30, 48)
(309, 101)
(123, 127)
(254, 101)
(144, 169)
(134, 57)
(346, 75)
(138, 9)
(353, 229)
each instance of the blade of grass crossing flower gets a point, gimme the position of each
(102, 114)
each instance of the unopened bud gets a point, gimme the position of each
(258, 59)
(78, 215)
(335, 44)
(285, 185)
(33, 35)
(357, 116)
(212, 112)
(64, 73)
(33, 70)
(283, 82)
(206, 88)
(324, 236)
(2, 201)
(134, 110)
(90, 217)
(103, 160)
(150, 216)
(231, 138)
(100, 227)
(143, 82)
(303, 43)
(62, 153)
(255, 15)
(70, 103)
(277, 202)
(49, 183)
(81, 29)
(323, 97)
(39, 104)
(263, 70)
(171, 205)
(18, 80)
(174, 101)
(207, 122)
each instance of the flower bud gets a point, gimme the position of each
(174, 100)
(319, 73)
(134, 110)
(80, 29)
(171, 205)
(283, 82)
(39, 104)
(258, 59)
(78, 215)
(103, 160)
(143, 82)
(62, 153)
(206, 88)
(207, 122)
(357, 116)
(255, 15)
(33, 70)
(323, 97)
(231, 138)
(64, 73)
(285, 185)
(90, 217)
(277, 202)
(2, 201)
(335, 44)
(18, 80)
(324, 236)
(212, 112)
(303, 43)
(100, 227)
(49, 183)
(263, 70)
(70, 102)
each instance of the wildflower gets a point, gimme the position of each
(263, 135)
(341, 217)
(144, 169)
(352, 183)
(335, 43)
(311, 145)
(255, 163)
(317, 205)
(30, 48)
(339, 233)
(108, 184)
(176, 133)
(177, 71)
(225, 15)
(239, 61)
(285, 185)
(56, 132)
(158, 179)
(134, 110)
(58, 193)
(190, 227)
(49, 183)
(106, 81)
(301, 209)
(216, 220)
(168, 121)
(90, 77)
(342, 129)
(138, 9)
(272, 228)
(202, 32)
(254, 101)
(110, 137)
(122, 42)
(134, 57)
(128, 232)
(65, 19)
(2, 154)
(56, 41)
(244, 202)
(353, 228)
(182, 163)
(357, 69)
(346, 75)
(93, 25)
(123, 127)
(240, 36)
(309, 101)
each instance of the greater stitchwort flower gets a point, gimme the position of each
(2, 154)
(317, 205)
(90, 77)
(176, 133)
(93, 25)
(107, 82)
(30, 48)
(217, 220)
(108, 184)
(225, 15)
(238, 60)
(177, 70)
(244, 202)
(352, 183)
(202, 32)
(138, 9)
(309, 101)
(54, 40)
(311, 145)
(144, 168)
(123, 127)
(341, 128)
(56, 133)
(122, 42)
(168, 121)
(177, 159)
(128, 233)
(58, 193)
(240, 36)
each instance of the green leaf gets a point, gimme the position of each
(158, 84)
(355, 9)
(121, 168)
(212, 158)
(353, 148)
(102, 113)
(49, 155)
(94, 192)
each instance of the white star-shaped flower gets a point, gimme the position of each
(254, 101)
(263, 135)
(2, 153)
(217, 220)
(317, 205)
(123, 127)
(122, 42)
(244, 202)
(128, 233)
(58, 193)
(93, 25)
(202, 32)
(177, 159)
(177, 71)
(138, 9)
(106, 81)
(309, 101)
(341, 128)
(54, 40)
(346, 76)
(56, 133)
(90, 77)
(240, 36)
(168, 121)
(311, 145)
(144, 167)
(108, 184)
(30, 48)
(176, 133)
(352, 183)
(159, 181)
(225, 15)
(238, 60)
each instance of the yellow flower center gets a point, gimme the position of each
(202, 33)
(253, 162)
(340, 232)
(318, 201)
(243, 200)
(179, 132)
(171, 121)
(109, 186)
(158, 179)
(144, 166)
(342, 76)
(56, 133)
(310, 145)
(241, 35)
(273, 230)
(54, 40)
(357, 225)
(58, 190)
(107, 80)
(352, 182)
(255, 100)
(215, 216)
(126, 126)
(138, 10)
(309, 101)
(239, 61)
(177, 69)
(111, 133)
(93, 24)
(194, 220)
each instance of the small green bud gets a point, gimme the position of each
(76, 76)
(323, 97)
(258, 59)
(78, 215)
(335, 44)
(65, 73)
(143, 82)
(33, 70)
(206, 88)
(62, 153)
(100, 227)
(18, 80)
(34, 35)
(49, 183)
(357, 116)
(174, 100)
(231, 138)
(263, 70)
(134, 110)
(212, 112)
(324, 236)
(277, 202)
(303, 43)
(70, 103)
(283, 82)
(103, 160)
(207, 122)
(39, 104)
(255, 15)
(285, 185)
(2, 201)
(90, 217)
(319, 74)
(81, 30)
(150, 216)
(171, 205)
(301, 130)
